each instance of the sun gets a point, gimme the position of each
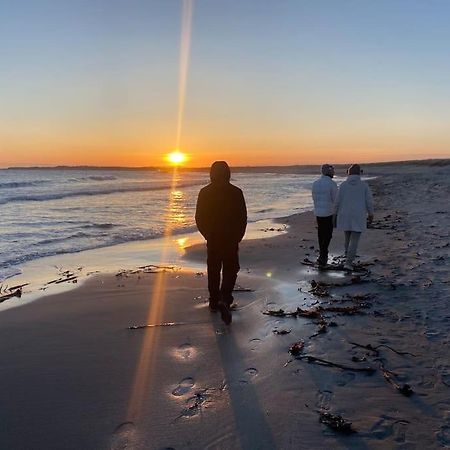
(176, 158)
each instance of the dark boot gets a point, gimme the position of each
(225, 312)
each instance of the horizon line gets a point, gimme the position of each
(184, 168)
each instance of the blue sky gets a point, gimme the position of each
(269, 80)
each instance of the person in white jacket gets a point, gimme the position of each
(324, 192)
(353, 208)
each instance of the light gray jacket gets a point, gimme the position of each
(353, 203)
(324, 192)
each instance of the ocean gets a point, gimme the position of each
(55, 211)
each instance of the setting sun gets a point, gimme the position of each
(176, 157)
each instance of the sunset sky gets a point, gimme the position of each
(269, 81)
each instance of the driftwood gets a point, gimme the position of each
(65, 277)
(15, 293)
(149, 268)
(335, 422)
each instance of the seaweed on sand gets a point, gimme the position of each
(296, 348)
(336, 422)
(323, 362)
(389, 376)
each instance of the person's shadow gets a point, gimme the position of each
(251, 425)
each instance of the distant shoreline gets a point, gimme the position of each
(299, 168)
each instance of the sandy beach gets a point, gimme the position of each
(82, 370)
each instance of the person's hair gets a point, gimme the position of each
(327, 169)
(354, 169)
(220, 172)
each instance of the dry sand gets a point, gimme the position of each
(75, 377)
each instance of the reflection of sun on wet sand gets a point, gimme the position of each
(72, 356)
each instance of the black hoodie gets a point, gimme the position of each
(221, 214)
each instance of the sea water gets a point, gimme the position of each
(53, 211)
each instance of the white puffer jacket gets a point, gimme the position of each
(353, 203)
(324, 192)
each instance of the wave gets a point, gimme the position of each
(95, 178)
(89, 193)
(20, 184)
(101, 226)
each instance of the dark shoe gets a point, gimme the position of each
(213, 305)
(321, 262)
(225, 312)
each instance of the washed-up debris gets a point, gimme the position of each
(376, 351)
(7, 293)
(337, 265)
(238, 288)
(315, 313)
(281, 332)
(280, 229)
(162, 324)
(323, 362)
(296, 348)
(359, 358)
(318, 289)
(336, 422)
(347, 310)
(156, 267)
(389, 376)
(65, 277)
(148, 268)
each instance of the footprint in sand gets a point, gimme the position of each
(194, 405)
(432, 334)
(445, 377)
(255, 344)
(345, 378)
(185, 351)
(443, 436)
(249, 374)
(123, 436)
(185, 385)
(323, 399)
(387, 426)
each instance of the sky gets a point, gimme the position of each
(269, 82)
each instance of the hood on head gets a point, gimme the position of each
(354, 169)
(220, 172)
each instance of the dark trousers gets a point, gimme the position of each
(222, 258)
(325, 233)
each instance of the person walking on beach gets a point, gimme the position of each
(221, 217)
(324, 192)
(353, 208)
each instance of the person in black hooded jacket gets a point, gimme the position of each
(221, 217)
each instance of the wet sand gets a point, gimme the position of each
(74, 376)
